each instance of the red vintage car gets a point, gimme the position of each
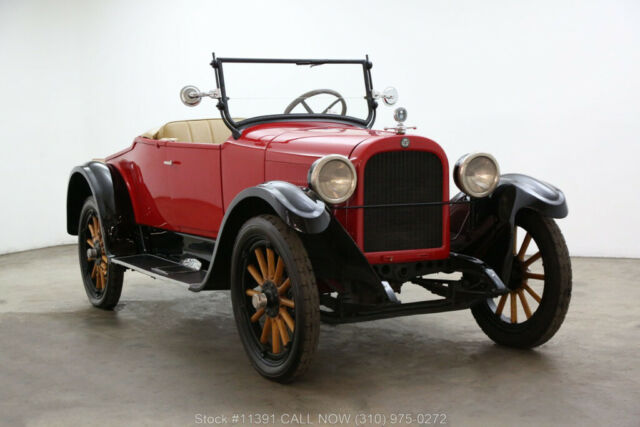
(305, 214)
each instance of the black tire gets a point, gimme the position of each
(291, 358)
(541, 324)
(103, 292)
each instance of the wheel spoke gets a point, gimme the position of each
(257, 315)
(287, 318)
(279, 270)
(256, 276)
(271, 264)
(283, 288)
(525, 304)
(96, 227)
(534, 276)
(264, 338)
(525, 245)
(94, 271)
(275, 338)
(533, 294)
(103, 271)
(500, 307)
(90, 243)
(262, 263)
(105, 259)
(251, 292)
(287, 302)
(91, 231)
(514, 308)
(533, 259)
(283, 331)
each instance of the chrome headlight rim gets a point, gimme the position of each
(461, 167)
(314, 176)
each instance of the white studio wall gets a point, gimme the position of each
(550, 88)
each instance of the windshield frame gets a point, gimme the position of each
(237, 127)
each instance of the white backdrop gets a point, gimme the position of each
(551, 88)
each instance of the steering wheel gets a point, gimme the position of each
(302, 99)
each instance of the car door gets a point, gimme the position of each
(195, 187)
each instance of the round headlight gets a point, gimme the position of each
(333, 178)
(477, 174)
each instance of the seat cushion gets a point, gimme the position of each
(208, 131)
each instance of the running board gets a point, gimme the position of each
(161, 268)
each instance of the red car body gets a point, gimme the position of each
(187, 187)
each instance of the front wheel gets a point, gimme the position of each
(275, 298)
(540, 287)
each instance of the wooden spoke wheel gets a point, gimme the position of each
(96, 254)
(102, 280)
(270, 297)
(275, 298)
(540, 286)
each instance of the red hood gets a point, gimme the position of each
(293, 146)
(292, 141)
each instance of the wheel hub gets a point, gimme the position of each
(96, 251)
(270, 291)
(259, 301)
(92, 253)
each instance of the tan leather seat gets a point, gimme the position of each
(208, 131)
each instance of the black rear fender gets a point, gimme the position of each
(104, 183)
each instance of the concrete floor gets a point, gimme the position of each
(166, 356)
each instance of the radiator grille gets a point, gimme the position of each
(402, 177)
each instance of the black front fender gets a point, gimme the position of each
(516, 192)
(292, 205)
(488, 230)
(288, 201)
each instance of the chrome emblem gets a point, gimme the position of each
(404, 142)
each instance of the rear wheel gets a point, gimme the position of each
(102, 279)
(275, 298)
(540, 287)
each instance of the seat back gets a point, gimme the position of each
(208, 131)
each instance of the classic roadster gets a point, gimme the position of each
(306, 214)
